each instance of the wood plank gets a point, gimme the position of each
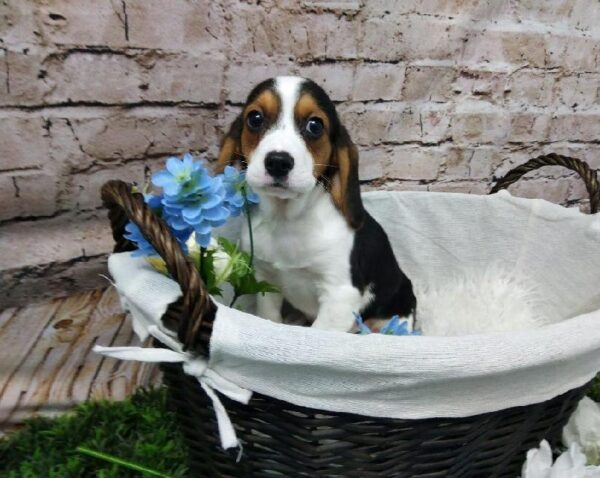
(6, 315)
(117, 378)
(74, 381)
(45, 360)
(128, 376)
(17, 338)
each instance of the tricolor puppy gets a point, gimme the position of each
(312, 237)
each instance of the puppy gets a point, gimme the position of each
(313, 238)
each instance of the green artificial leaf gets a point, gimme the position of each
(228, 246)
(243, 275)
(249, 285)
(207, 271)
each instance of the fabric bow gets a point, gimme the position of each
(192, 365)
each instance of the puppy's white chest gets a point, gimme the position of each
(304, 253)
(317, 239)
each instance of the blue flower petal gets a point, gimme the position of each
(362, 327)
(203, 228)
(252, 197)
(203, 239)
(175, 166)
(217, 213)
(211, 201)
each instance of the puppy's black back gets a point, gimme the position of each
(373, 264)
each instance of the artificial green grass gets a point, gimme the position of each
(139, 429)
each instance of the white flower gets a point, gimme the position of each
(584, 428)
(223, 265)
(222, 261)
(194, 247)
(570, 464)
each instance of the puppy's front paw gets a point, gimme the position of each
(268, 306)
(335, 318)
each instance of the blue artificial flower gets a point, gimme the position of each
(154, 202)
(144, 248)
(362, 327)
(134, 234)
(177, 176)
(193, 200)
(394, 326)
(237, 190)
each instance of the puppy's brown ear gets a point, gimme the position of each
(231, 146)
(345, 187)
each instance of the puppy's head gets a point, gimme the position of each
(290, 139)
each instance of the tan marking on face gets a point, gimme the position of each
(320, 148)
(227, 153)
(269, 105)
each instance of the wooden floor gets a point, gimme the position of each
(46, 361)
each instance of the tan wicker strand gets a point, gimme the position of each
(589, 176)
(194, 313)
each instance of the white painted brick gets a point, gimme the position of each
(462, 187)
(27, 194)
(553, 190)
(480, 122)
(429, 82)
(83, 77)
(185, 78)
(146, 132)
(27, 82)
(569, 126)
(383, 122)
(18, 23)
(179, 25)
(505, 46)
(529, 126)
(84, 191)
(488, 85)
(242, 77)
(370, 164)
(579, 90)
(434, 121)
(23, 142)
(378, 81)
(273, 32)
(336, 78)
(414, 163)
(472, 9)
(531, 88)
(82, 22)
(411, 38)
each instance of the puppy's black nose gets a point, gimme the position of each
(278, 164)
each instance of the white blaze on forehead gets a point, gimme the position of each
(288, 88)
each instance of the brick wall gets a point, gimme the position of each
(438, 94)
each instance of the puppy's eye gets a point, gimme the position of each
(255, 120)
(314, 127)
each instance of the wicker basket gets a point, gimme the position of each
(282, 439)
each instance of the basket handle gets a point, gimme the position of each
(193, 314)
(589, 175)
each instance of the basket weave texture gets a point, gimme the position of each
(282, 439)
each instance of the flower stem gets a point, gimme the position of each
(118, 461)
(247, 211)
